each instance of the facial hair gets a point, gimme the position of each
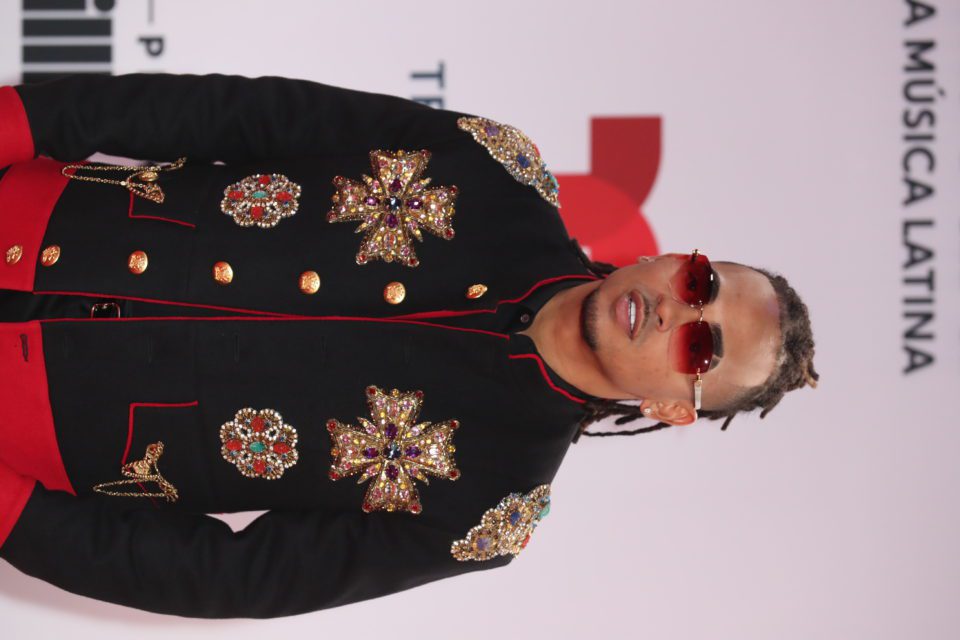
(589, 315)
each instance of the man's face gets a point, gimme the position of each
(635, 358)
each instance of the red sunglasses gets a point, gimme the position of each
(691, 344)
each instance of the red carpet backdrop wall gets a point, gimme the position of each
(817, 139)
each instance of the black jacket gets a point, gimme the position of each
(189, 351)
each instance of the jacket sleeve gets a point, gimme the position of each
(208, 118)
(173, 562)
(15, 490)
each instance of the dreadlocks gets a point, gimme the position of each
(794, 370)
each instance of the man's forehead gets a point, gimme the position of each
(748, 312)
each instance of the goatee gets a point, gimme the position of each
(588, 319)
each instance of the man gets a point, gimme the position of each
(211, 335)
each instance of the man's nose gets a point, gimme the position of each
(674, 313)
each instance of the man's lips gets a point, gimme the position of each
(622, 313)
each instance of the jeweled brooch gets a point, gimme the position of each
(394, 207)
(506, 528)
(261, 199)
(516, 152)
(259, 443)
(393, 450)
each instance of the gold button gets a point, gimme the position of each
(50, 256)
(474, 291)
(394, 293)
(137, 262)
(309, 282)
(223, 272)
(14, 254)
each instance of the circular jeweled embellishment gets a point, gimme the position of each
(261, 200)
(259, 443)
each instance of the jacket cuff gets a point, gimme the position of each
(16, 141)
(15, 491)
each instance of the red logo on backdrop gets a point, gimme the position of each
(602, 209)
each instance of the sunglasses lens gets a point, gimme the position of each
(693, 282)
(691, 347)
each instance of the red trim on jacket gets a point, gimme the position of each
(16, 141)
(88, 294)
(450, 314)
(134, 406)
(28, 193)
(543, 372)
(15, 490)
(140, 216)
(26, 429)
(502, 336)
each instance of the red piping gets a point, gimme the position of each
(134, 405)
(543, 372)
(167, 302)
(131, 215)
(448, 314)
(503, 336)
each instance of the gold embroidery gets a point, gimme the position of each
(144, 470)
(394, 207)
(516, 152)
(506, 528)
(393, 449)
(259, 443)
(261, 199)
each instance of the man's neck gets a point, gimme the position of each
(557, 334)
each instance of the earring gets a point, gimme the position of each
(647, 411)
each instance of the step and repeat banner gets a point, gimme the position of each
(820, 140)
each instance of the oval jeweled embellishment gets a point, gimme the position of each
(261, 200)
(506, 528)
(516, 152)
(259, 443)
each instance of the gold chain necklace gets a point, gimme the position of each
(142, 182)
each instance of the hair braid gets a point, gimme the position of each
(794, 370)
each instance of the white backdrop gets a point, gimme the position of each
(782, 143)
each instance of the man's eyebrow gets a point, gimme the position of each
(714, 287)
(717, 332)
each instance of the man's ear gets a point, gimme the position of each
(676, 413)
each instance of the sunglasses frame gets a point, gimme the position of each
(698, 381)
